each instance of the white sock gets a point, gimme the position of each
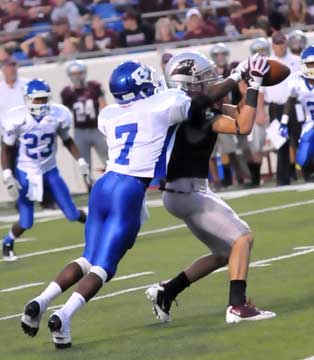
(12, 236)
(74, 303)
(49, 294)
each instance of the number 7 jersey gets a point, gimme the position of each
(137, 133)
(36, 140)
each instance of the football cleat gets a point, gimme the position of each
(59, 326)
(8, 253)
(30, 320)
(247, 312)
(161, 302)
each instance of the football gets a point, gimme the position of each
(276, 74)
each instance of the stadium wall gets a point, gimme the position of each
(100, 69)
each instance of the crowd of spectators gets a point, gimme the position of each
(35, 29)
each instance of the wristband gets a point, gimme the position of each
(235, 77)
(284, 119)
(251, 97)
(6, 174)
(81, 161)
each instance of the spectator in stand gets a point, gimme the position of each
(14, 19)
(135, 32)
(37, 47)
(104, 38)
(66, 9)
(87, 43)
(297, 13)
(37, 10)
(59, 32)
(164, 31)
(178, 20)
(196, 27)
(70, 47)
(249, 12)
(152, 6)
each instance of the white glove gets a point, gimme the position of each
(84, 169)
(240, 71)
(258, 67)
(11, 184)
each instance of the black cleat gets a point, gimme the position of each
(8, 253)
(31, 318)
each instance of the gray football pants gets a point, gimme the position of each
(86, 139)
(209, 218)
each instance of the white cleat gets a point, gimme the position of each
(247, 312)
(59, 326)
(161, 303)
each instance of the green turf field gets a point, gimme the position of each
(121, 326)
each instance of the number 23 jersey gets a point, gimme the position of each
(300, 88)
(137, 133)
(36, 140)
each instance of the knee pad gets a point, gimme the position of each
(84, 264)
(99, 271)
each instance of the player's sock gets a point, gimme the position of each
(50, 293)
(9, 238)
(293, 172)
(176, 285)
(237, 292)
(227, 180)
(74, 303)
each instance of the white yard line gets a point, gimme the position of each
(118, 278)
(257, 263)
(49, 215)
(170, 228)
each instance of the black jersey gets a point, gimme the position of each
(194, 143)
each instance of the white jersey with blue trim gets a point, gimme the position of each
(303, 91)
(36, 140)
(137, 133)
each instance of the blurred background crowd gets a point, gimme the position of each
(40, 29)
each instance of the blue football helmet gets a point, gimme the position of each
(35, 89)
(307, 56)
(132, 80)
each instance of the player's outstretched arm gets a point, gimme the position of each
(7, 156)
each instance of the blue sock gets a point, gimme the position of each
(8, 240)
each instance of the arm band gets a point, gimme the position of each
(251, 97)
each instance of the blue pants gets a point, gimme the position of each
(59, 191)
(305, 151)
(114, 219)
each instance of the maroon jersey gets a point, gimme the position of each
(83, 103)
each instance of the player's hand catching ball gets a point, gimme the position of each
(258, 68)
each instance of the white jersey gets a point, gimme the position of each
(36, 140)
(300, 88)
(136, 133)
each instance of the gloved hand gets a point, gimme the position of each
(84, 169)
(258, 67)
(240, 71)
(11, 184)
(283, 131)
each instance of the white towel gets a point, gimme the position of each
(35, 186)
(144, 212)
